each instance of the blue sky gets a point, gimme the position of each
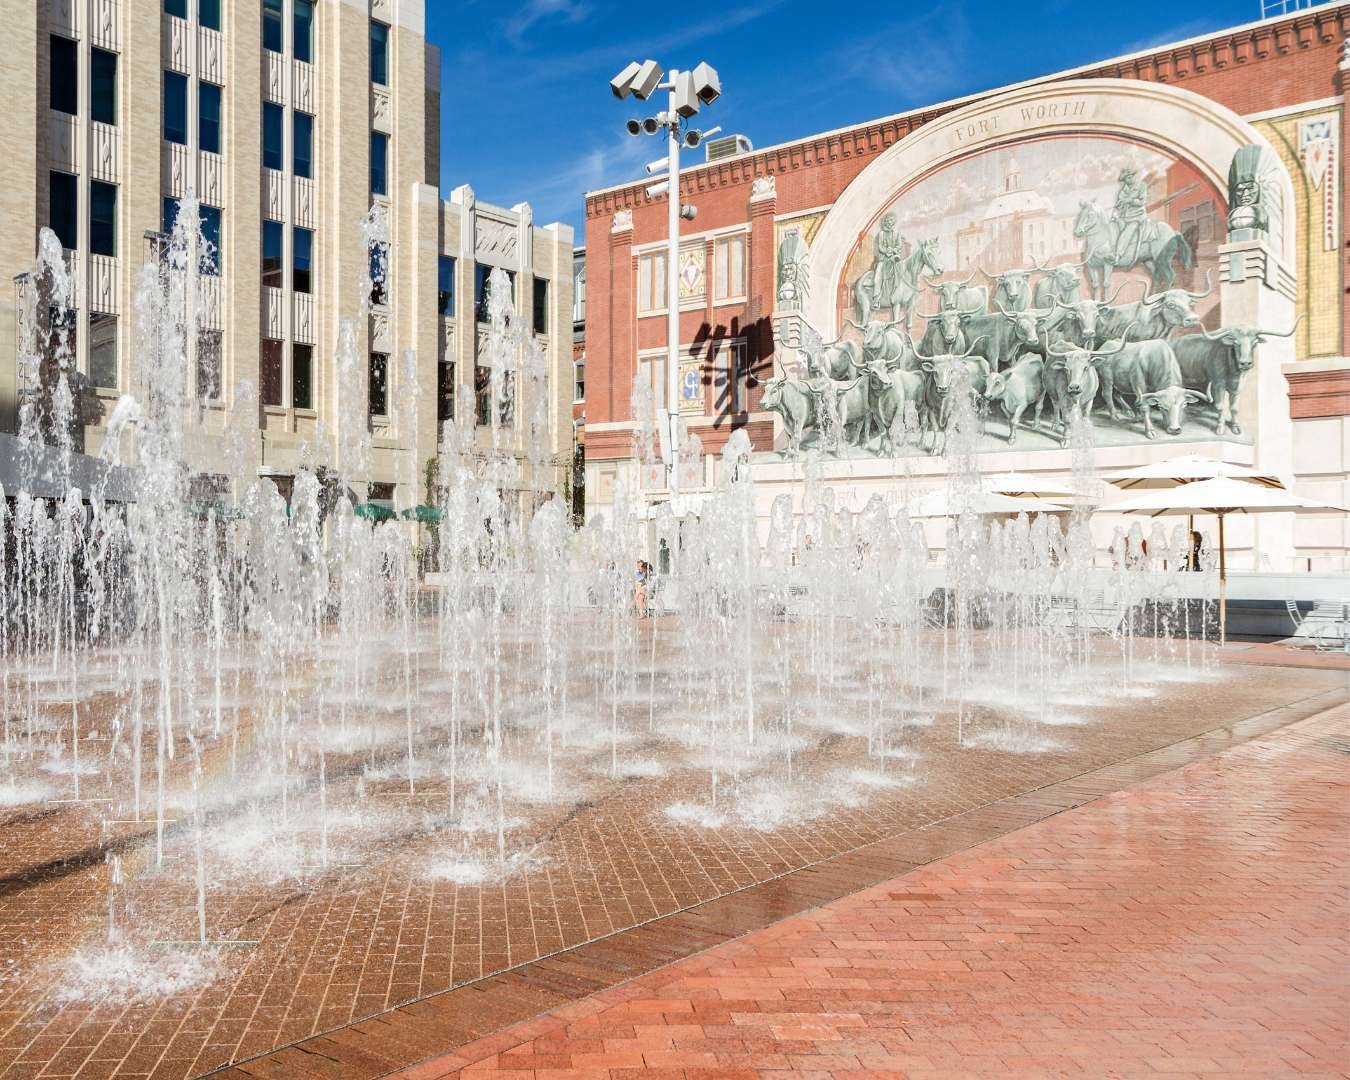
(526, 112)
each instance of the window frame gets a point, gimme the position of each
(95, 318)
(216, 125)
(721, 270)
(72, 183)
(308, 159)
(178, 81)
(657, 296)
(218, 338)
(97, 57)
(274, 126)
(202, 8)
(308, 36)
(211, 260)
(298, 231)
(274, 17)
(381, 140)
(380, 361)
(379, 73)
(268, 346)
(273, 265)
(539, 306)
(101, 188)
(445, 286)
(64, 91)
(308, 365)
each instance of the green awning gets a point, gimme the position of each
(427, 515)
(373, 512)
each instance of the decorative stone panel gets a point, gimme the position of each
(103, 284)
(303, 327)
(304, 204)
(274, 77)
(63, 141)
(63, 19)
(447, 341)
(104, 26)
(210, 178)
(274, 194)
(210, 55)
(382, 10)
(302, 85)
(274, 313)
(104, 163)
(176, 44)
(175, 169)
(381, 109)
(209, 306)
(381, 332)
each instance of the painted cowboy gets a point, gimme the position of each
(888, 249)
(1131, 201)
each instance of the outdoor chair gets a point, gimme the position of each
(1325, 627)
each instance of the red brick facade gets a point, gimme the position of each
(1271, 66)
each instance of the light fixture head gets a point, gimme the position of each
(651, 125)
(707, 83)
(634, 127)
(645, 80)
(693, 137)
(622, 83)
(683, 96)
(658, 189)
(689, 212)
(659, 165)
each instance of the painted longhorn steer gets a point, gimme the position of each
(891, 391)
(1060, 283)
(943, 373)
(886, 343)
(1076, 321)
(795, 402)
(1070, 381)
(960, 295)
(1016, 389)
(1149, 372)
(1217, 362)
(1002, 336)
(1012, 288)
(944, 334)
(840, 360)
(1156, 316)
(853, 410)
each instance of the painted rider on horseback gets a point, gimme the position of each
(888, 248)
(1129, 213)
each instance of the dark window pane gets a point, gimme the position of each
(302, 245)
(208, 117)
(274, 116)
(208, 13)
(302, 30)
(212, 260)
(379, 163)
(272, 25)
(271, 253)
(445, 398)
(102, 349)
(64, 207)
(302, 376)
(176, 7)
(103, 86)
(269, 371)
(102, 218)
(209, 364)
(540, 306)
(170, 215)
(379, 273)
(482, 396)
(302, 144)
(480, 291)
(65, 70)
(379, 384)
(175, 107)
(379, 53)
(445, 285)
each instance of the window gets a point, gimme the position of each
(379, 273)
(653, 369)
(177, 8)
(579, 379)
(379, 163)
(652, 282)
(269, 371)
(482, 290)
(445, 392)
(482, 396)
(271, 28)
(170, 215)
(579, 294)
(208, 13)
(302, 249)
(65, 73)
(271, 254)
(208, 117)
(103, 86)
(302, 144)
(175, 107)
(212, 257)
(540, 312)
(729, 375)
(379, 384)
(379, 53)
(729, 263)
(209, 365)
(302, 30)
(445, 286)
(63, 210)
(273, 117)
(103, 349)
(102, 218)
(302, 376)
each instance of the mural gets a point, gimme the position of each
(1061, 274)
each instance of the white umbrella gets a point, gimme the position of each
(1024, 485)
(941, 504)
(1220, 496)
(1187, 469)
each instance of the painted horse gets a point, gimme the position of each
(924, 258)
(1153, 247)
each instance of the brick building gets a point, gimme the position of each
(786, 237)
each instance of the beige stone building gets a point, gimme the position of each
(289, 120)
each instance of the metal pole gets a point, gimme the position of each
(673, 289)
(1223, 583)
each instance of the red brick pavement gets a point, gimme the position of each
(1194, 925)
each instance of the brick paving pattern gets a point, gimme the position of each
(1194, 925)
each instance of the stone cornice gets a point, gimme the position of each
(1274, 39)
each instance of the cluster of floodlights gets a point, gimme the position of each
(689, 92)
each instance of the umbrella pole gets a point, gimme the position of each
(1223, 580)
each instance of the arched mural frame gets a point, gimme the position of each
(1177, 121)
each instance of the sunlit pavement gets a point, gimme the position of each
(1192, 925)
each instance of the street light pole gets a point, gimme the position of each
(673, 290)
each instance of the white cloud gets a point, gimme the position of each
(535, 11)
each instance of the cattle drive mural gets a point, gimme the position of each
(1058, 275)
